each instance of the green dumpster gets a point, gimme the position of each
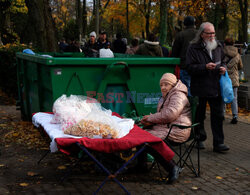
(122, 84)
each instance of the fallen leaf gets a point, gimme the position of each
(24, 184)
(61, 167)
(236, 169)
(219, 177)
(187, 181)
(194, 188)
(15, 134)
(30, 173)
(1, 165)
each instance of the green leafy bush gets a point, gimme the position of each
(8, 71)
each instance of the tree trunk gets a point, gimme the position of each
(127, 20)
(163, 21)
(244, 19)
(216, 13)
(1, 43)
(79, 18)
(147, 8)
(225, 20)
(84, 15)
(97, 18)
(4, 5)
(41, 19)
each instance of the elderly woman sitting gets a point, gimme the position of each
(173, 108)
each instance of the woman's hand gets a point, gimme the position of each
(145, 122)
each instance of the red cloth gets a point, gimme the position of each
(177, 71)
(136, 137)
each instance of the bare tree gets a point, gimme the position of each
(84, 15)
(147, 9)
(97, 17)
(163, 21)
(244, 19)
(79, 18)
(4, 5)
(44, 27)
(127, 19)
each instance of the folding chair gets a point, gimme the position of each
(184, 156)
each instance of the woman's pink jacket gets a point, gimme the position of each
(173, 109)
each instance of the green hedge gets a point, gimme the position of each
(8, 74)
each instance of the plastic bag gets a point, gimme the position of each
(106, 53)
(95, 125)
(226, 88)
(28, 51)
(70, 110)
(84, 116)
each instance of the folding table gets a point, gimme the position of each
(136, 137)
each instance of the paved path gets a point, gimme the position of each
(220, 173)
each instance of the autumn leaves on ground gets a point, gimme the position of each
(22, 145)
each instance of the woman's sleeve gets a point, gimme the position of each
(171, 111)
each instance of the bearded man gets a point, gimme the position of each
(205, 65)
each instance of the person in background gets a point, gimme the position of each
(102, 42)
(90, 49)
(165, 51)
(119, 45)
(150, 47)
(62, 45)
(180, 46)
(73, 46)
(134, 47)
(125, 40)
(204, 61)
(234, 64)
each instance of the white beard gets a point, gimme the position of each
(211, 45)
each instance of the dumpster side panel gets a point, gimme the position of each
(33, 84)
(122, 84)
(28, 82)
(144, 89)
(77, 80)
(46, 90)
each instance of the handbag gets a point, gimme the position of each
(226, 88)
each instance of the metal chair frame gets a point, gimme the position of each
(184, 156)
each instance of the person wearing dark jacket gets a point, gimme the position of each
(91, 49)
(180, 46)
(150, 47)
(103, 42)
(119, 46)
(205, 64)
(73, 46)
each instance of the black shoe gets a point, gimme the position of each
(221, 148)
(200, 145)
(234, 120)
(173, 174)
